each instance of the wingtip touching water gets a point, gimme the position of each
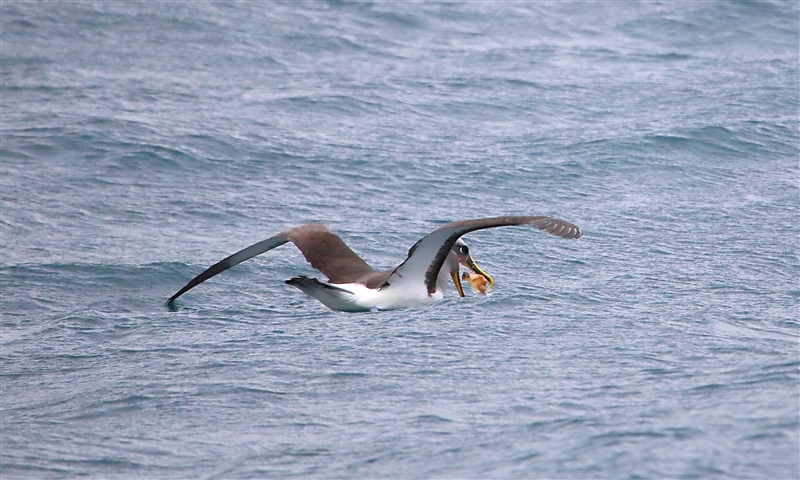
(353, 285)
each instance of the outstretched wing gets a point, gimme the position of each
(328, 253)
(234, 259)
(427, 256)
(324, 251)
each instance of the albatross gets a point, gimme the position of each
(354, 286)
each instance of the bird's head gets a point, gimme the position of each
(461, 251)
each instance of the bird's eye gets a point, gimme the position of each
(464, 250)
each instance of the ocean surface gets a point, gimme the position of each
(142, 142)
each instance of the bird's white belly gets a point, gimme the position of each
(391, 297)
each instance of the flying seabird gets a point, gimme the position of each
(354, 286)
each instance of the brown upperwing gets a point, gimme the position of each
(328, 253)
(554, 226)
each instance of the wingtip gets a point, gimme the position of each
(170, 304)
(563, 229)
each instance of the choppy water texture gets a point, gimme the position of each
(142, 142)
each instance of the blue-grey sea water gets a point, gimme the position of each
(142, 142)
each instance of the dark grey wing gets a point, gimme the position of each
(234, 259)
(427, 256)
(324, 251)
